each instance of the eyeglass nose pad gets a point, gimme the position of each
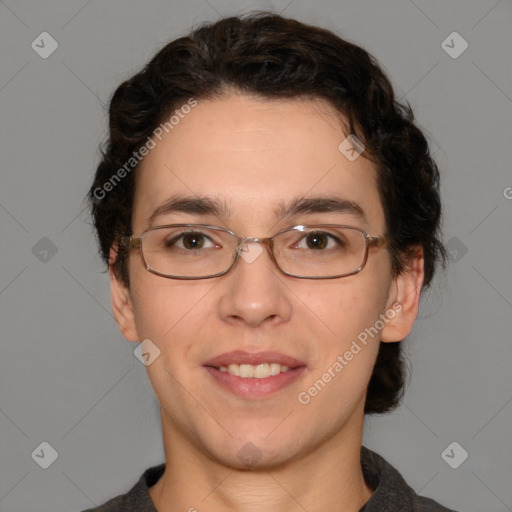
(250, 250)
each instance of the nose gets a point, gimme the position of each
(253, 291)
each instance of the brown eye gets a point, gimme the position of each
(321, 242)
(317, 240)
(190, 241)
(193, 240)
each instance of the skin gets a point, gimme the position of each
(254, 153)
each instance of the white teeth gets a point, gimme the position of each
(246, 370)
(259, 371)
(234, 369)
(275, 369)
(262, 370)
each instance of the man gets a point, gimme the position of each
(269, 215)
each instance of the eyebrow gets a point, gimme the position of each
(205, 205)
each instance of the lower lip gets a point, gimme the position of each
(253, 387)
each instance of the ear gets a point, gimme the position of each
(404, 299)
(122, 305)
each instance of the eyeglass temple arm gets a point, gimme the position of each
(378, 240)
(130, 242)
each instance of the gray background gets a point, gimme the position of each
(69, 378)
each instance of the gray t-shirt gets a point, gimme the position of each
(391, 492)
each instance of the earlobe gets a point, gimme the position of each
(404, 299)
(121, 300)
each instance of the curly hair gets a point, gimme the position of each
(273, 57)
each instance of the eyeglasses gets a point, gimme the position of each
(200, 251)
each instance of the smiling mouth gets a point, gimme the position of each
(254, 375)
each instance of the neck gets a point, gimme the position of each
(329, 477)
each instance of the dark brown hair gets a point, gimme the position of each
(272, 57)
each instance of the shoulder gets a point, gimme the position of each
(390, 491)
(137, 499)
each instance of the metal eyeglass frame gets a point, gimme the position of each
(136, 242)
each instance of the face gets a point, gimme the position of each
(253, 156)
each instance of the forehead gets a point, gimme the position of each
(254, 155)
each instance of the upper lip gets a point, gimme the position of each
(254, 358)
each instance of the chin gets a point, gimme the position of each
(254, 453)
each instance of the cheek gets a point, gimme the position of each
(165, 307)
(346, 314)
(168, 314)
(346, 351)
(347, 308)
